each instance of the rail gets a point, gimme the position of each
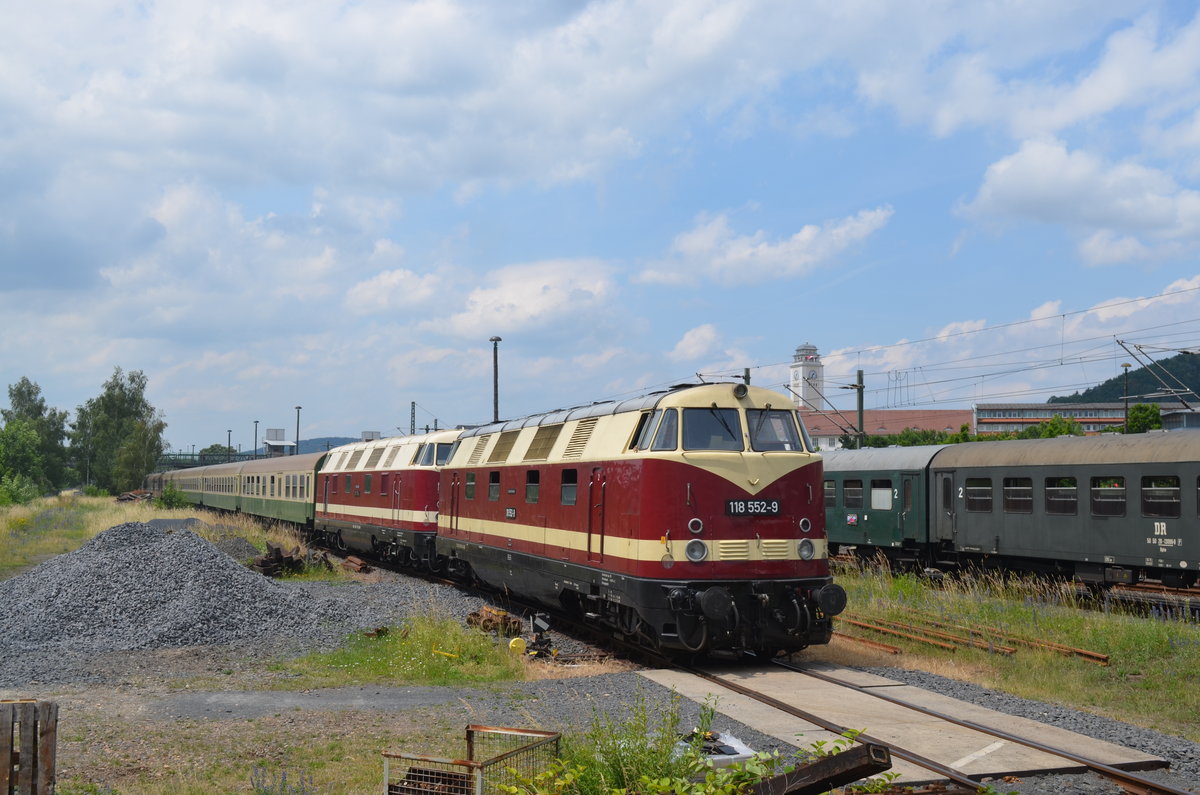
(1129, 781)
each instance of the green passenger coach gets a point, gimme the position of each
(281, 488)
(876, 500)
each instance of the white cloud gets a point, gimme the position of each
(1124, 210)
(532, 295)
(696, 343)
(712, 250)
(390, 290)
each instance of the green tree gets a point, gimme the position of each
(20, 453)
(26, 404)
(1055, 426)
(215, 454)
(1144, 417)
(117, 437)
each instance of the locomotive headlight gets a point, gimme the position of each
(806, 549)
(805, 525)
(696, 550)
(696, 525)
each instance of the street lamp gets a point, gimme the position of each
(255, 451)
(297, 431)
(1125, 366)
(229, 444)
(495, 378)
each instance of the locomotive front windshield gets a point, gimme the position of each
(772, 429)
(712, 429)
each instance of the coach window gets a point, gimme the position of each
(881, 495)
(469, 486)
(493, 486)
(1062, 497)
(830, 494)
(1108, 496)
(367, 483)
(979, 495)
(667, 435)
(533, 482)
(852, 495)
(712, 429)
(570, 486)
(1160, 496)
(1018, 495)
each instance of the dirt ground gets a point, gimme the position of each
(208, 720)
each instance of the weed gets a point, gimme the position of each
(266, 782)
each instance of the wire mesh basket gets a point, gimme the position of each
(496, 756)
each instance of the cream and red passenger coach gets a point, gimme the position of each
(381, 497)
(691, 519)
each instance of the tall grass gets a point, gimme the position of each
(1154, 665)
(37, 531)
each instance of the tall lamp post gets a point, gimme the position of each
(1125, 366)
(255, 451)
(229, 445)
(495, 378)
(297, 431)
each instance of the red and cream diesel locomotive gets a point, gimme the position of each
(690, 520)
(380, 497)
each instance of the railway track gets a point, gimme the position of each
(1012, 751)
(935, 771)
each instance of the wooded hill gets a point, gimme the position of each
(1143, 386)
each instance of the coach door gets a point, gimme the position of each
(394, 497)
(595, 535)
(452, 508)
(945, 514)
(908, 521)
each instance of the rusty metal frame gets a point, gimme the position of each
(471, 775)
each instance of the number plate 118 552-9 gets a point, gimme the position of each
(753, 508)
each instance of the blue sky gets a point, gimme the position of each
(262, 204)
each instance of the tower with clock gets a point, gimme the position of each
(808, 378)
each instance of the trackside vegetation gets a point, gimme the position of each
(1154, 656)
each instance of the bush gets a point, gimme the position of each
(17, 490)
(171, 497)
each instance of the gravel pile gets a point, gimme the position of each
(149, 586)
(136, 586)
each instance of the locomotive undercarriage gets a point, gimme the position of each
(678, 617)
(408, 548)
